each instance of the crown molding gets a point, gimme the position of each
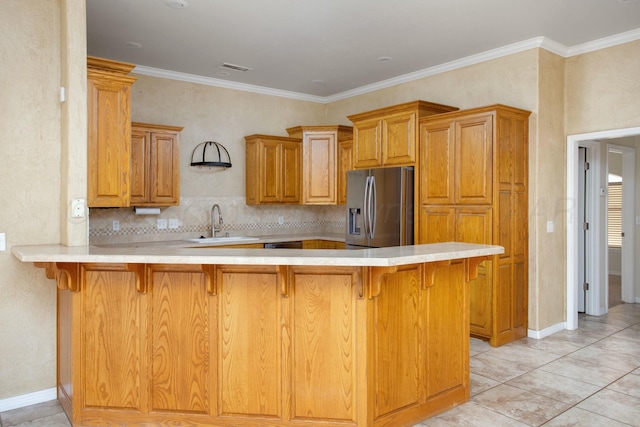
(533, 43)
(626, 37)
(210, 81)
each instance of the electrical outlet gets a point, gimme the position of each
(115, 225)
(280, 220)
(174, 223)
(3, 242)
(77, 208)
(161, 224)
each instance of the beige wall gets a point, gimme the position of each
(210, 113)
(603, 89)
(43, 144)
(30, 190)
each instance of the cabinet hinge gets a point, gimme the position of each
(585, 286)
(586, 166)
(585, 226)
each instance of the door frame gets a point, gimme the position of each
(572, 227)
(628, 207)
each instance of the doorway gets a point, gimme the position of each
(595, 250)
(626, 155)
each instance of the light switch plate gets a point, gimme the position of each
(161, 224)
(3, 242)
(174, 223)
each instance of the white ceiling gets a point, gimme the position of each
(327, 49)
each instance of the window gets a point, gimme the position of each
(614, 217)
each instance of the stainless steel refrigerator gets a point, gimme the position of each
(379, 207)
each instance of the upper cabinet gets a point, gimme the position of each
(457, 157)
(273, 169)
(345, 164)
(155, 165)
(388, 136)
(321, 170)
(109, 132)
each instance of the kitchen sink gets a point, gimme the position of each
(221, 239)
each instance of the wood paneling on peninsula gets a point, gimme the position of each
(262, 344)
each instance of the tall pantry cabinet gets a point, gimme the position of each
(473, 188)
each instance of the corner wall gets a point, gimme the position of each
(31, 187)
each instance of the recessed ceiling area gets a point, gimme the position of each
(331, 48)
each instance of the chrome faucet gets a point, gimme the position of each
(215, 228)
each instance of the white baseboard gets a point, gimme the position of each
(28, 399)
(547, 331)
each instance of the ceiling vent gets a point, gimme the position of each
(235, 67)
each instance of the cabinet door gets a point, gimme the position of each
(399, 140)
(290, 172)
(345, 163)
(140, 142)
(323, 345)
(112, 351)
(395, 337)
(164, 176)
(270, 172)
(319, 168)
(109, 143)
(180, 341)
(367, 144)
(436, 224)
(474, 225)
(250, 332)
(474, 160)
(437, 167)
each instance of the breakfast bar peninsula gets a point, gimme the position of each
(182, 336)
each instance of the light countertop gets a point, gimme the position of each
(182, 253)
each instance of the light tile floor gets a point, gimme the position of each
(587, 377)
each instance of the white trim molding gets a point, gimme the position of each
(28, 399)
(538, 335)
(533, 43)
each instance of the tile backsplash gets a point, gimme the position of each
(194, 220)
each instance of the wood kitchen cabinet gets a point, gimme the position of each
(320, 171)
(109, 132)
(345, 164)
(474, 188)
(155, 165)
(388, 136)
(256, 345)
(273, 173)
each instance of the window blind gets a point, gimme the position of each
(614, 220)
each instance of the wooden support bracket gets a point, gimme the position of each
(429, 270)
(211, 278)
(375, 279)
(142, 282)
(282, 277)
(472, 266)
(67, 276)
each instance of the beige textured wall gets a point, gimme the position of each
(73, 120)
(547, 251)
(603, 89)
(210, 113)
(30, 195)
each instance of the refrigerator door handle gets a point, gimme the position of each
(372, 207)
(365, 208)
